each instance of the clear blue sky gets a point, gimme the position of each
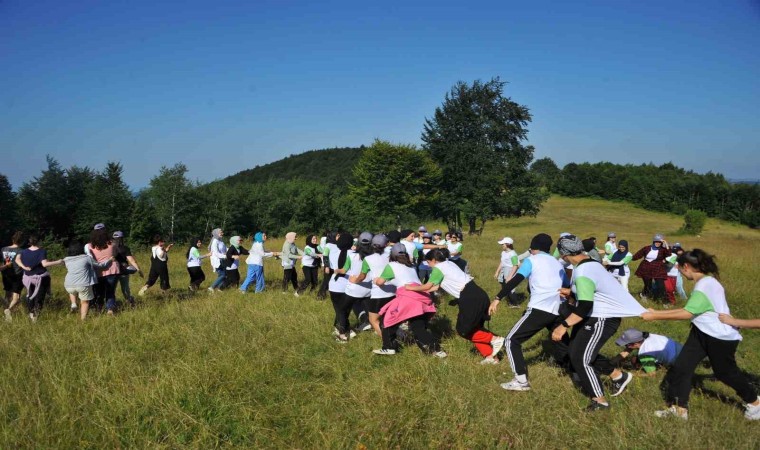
(224, 86)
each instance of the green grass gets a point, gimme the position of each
(263, 371)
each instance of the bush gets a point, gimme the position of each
(693, 221)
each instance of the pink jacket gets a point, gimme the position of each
(405, 306)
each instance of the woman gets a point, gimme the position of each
(708, 337)
(617, 263)
(327, 247)
(127, 265)
(337, 286)
(159, 265)
(610, 246)
(455, 248)
(309, 264)
(232, 278)
(357, 291)
(290, 254)
(218, 258)
(102, 249)
(36, 279)
(194, 269)
(12, 273)
(652, 269)
(507, 267)
(372, 266)
(473, 304)
(81, 276)
(415, 307)
(672, 281)
(255, 263)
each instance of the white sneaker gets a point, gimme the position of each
(33, 317)
(440, 354)
(752, 412)
(211, 290)
(296, 294)
(341, 339)
(673, 411)
(384, 351)
(497, 343)
(489, 361)
(8, 316)
(516, 385)
(142, 291)
(352, 334)
(73, 308)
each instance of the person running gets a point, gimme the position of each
(218, 258)
(12, 273)
(81, 276)
(617, 263)
(648, 351)
(672, 265)
(159, 265)
(473, 304)
(194, 268)
(127, 265)
(415, 307)
(546, 277)
(102, 249)
(290, 253)
(255, 263)
(36, 279)
(372, 266)
(508, 264)
(652, 269)
(600, 304)
(233, 262)
(309, 264)
(708, 337)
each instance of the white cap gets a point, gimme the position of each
(506, 240)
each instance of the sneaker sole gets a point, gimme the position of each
(515, 389)
(623, 386)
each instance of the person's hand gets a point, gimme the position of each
(565, 292)
(327, 270)
(558, 333)
(352, 279)
(727, 319)
(648, 316)
(493, 307)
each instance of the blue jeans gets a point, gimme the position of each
(108, 288)
(255, 273)
(221, 274)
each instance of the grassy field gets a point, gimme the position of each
(263, 371)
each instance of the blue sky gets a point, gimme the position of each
(224, 86)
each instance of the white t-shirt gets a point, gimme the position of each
(218, 253)
(373, 266)
(708, 299)
(399, 275)
(545, 275)
(338, 285)
(591, 281)
(194, 258)
(308, 257)
(354, 267)
(663, 349)
(450, 277)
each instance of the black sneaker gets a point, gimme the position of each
(618, 386)
(596, 406)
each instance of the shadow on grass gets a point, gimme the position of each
(698, 384)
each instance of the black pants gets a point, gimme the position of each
(232, 279)
(511, 297)
(158, 269)
(461, 263)
(342, 305)
(325, 283)
(473, 309)
(654, 288)
(196, 276)
(290, 276)
(310, 278)
(533, 321)
(35, 305)
(722, 358)
(589, 336)
(418, 326)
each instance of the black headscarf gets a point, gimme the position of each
(308, 242)
(192, 244)
(345, 242)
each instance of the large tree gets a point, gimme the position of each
(171, 198)
(476, 136)
(8, 213)
(108, 200)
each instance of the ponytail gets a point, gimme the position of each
(701, 261)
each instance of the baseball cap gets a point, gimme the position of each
(438, 232)
(506, 240)
(426, 235)
(118, 234)
(630, 336)
(422, 229)
(398, 249)
(658, 238)
(380, 240)
(99, 226)
(611, 234)
(365, 237)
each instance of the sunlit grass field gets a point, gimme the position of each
(263, 371)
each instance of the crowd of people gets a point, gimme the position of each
(392, 281)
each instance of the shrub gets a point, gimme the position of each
(693, 221)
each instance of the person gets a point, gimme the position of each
(455, 248)
(372, 267)
(415, 307)
(473, 304)
(357, 291)
(600, 304)
(159, 265)
(12, 273)
(647, 350)
(739, 323)
(546, 277)
(508, 264)
(309, 265)
(652, 268)
(617, 263)
(81, 277)
(290, 253)
(102, 249)
(232, 258)
(423, 268)
(708, 337)
(610, 246)
(194, 268)
(36, 278)
(589, 246)
(337, 286)
(672, 265)
(127, 265)
(255, 263)
(218, 258)
(327, 247)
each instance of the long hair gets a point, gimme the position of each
(99, 239)
(701, 261)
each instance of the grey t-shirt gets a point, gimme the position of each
(81, 270)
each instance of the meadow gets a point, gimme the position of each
(263, 371)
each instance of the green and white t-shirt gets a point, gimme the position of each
(672, 259)
(194, 258)
(373, 266)
(623, 262)
(399, 275)
(707, 301)
(509, 260)
(353, 267)
(332, 252)
(411, 249)
(657, 349)
(308, 257)
(592, 283)
(450, 277)
(455, 248)
(610, 248)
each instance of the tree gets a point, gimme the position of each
(476, 137)
(8, 221)
(393, 182)
(547, 172)
(108, 200)
(170, 196)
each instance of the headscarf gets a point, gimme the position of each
(290, 237)
(344, 243)
(192, 244)
(657, 238)
(259, 237)
(618, 256)
(308, 242)
(235, 241)
(215, 234)
(331, 237)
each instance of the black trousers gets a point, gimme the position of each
(654, 288)
(722, 358)
(325, 283)
(290, 276)
(342, 305)
(196, 276)
(232, 278)
(35, 305)
(589, 336)
(158, 269)
(422, 336)
(310, 278)
(533, 321)
(473, 309)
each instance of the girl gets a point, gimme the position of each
(617, 263)
(218, 258)
(672, 281)
(610, 247)
(372, 267)
(415, 307)
(255, 263)
(507, 267)
(159, 265)
(358, 291)
(652, 269)
(473, 304)
(327, 247)
(311, 256)
(102, 249)
(127, 265)
(194, 269)
(455, 250)
(708, 337)
(12, 273)
(290, 253)
(36, 279)
(233, 261)
(81, 277)
(337, 286)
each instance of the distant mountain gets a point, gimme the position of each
(744, 181)
(332, 166)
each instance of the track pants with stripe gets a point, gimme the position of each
(589, 337)
(532, 321)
